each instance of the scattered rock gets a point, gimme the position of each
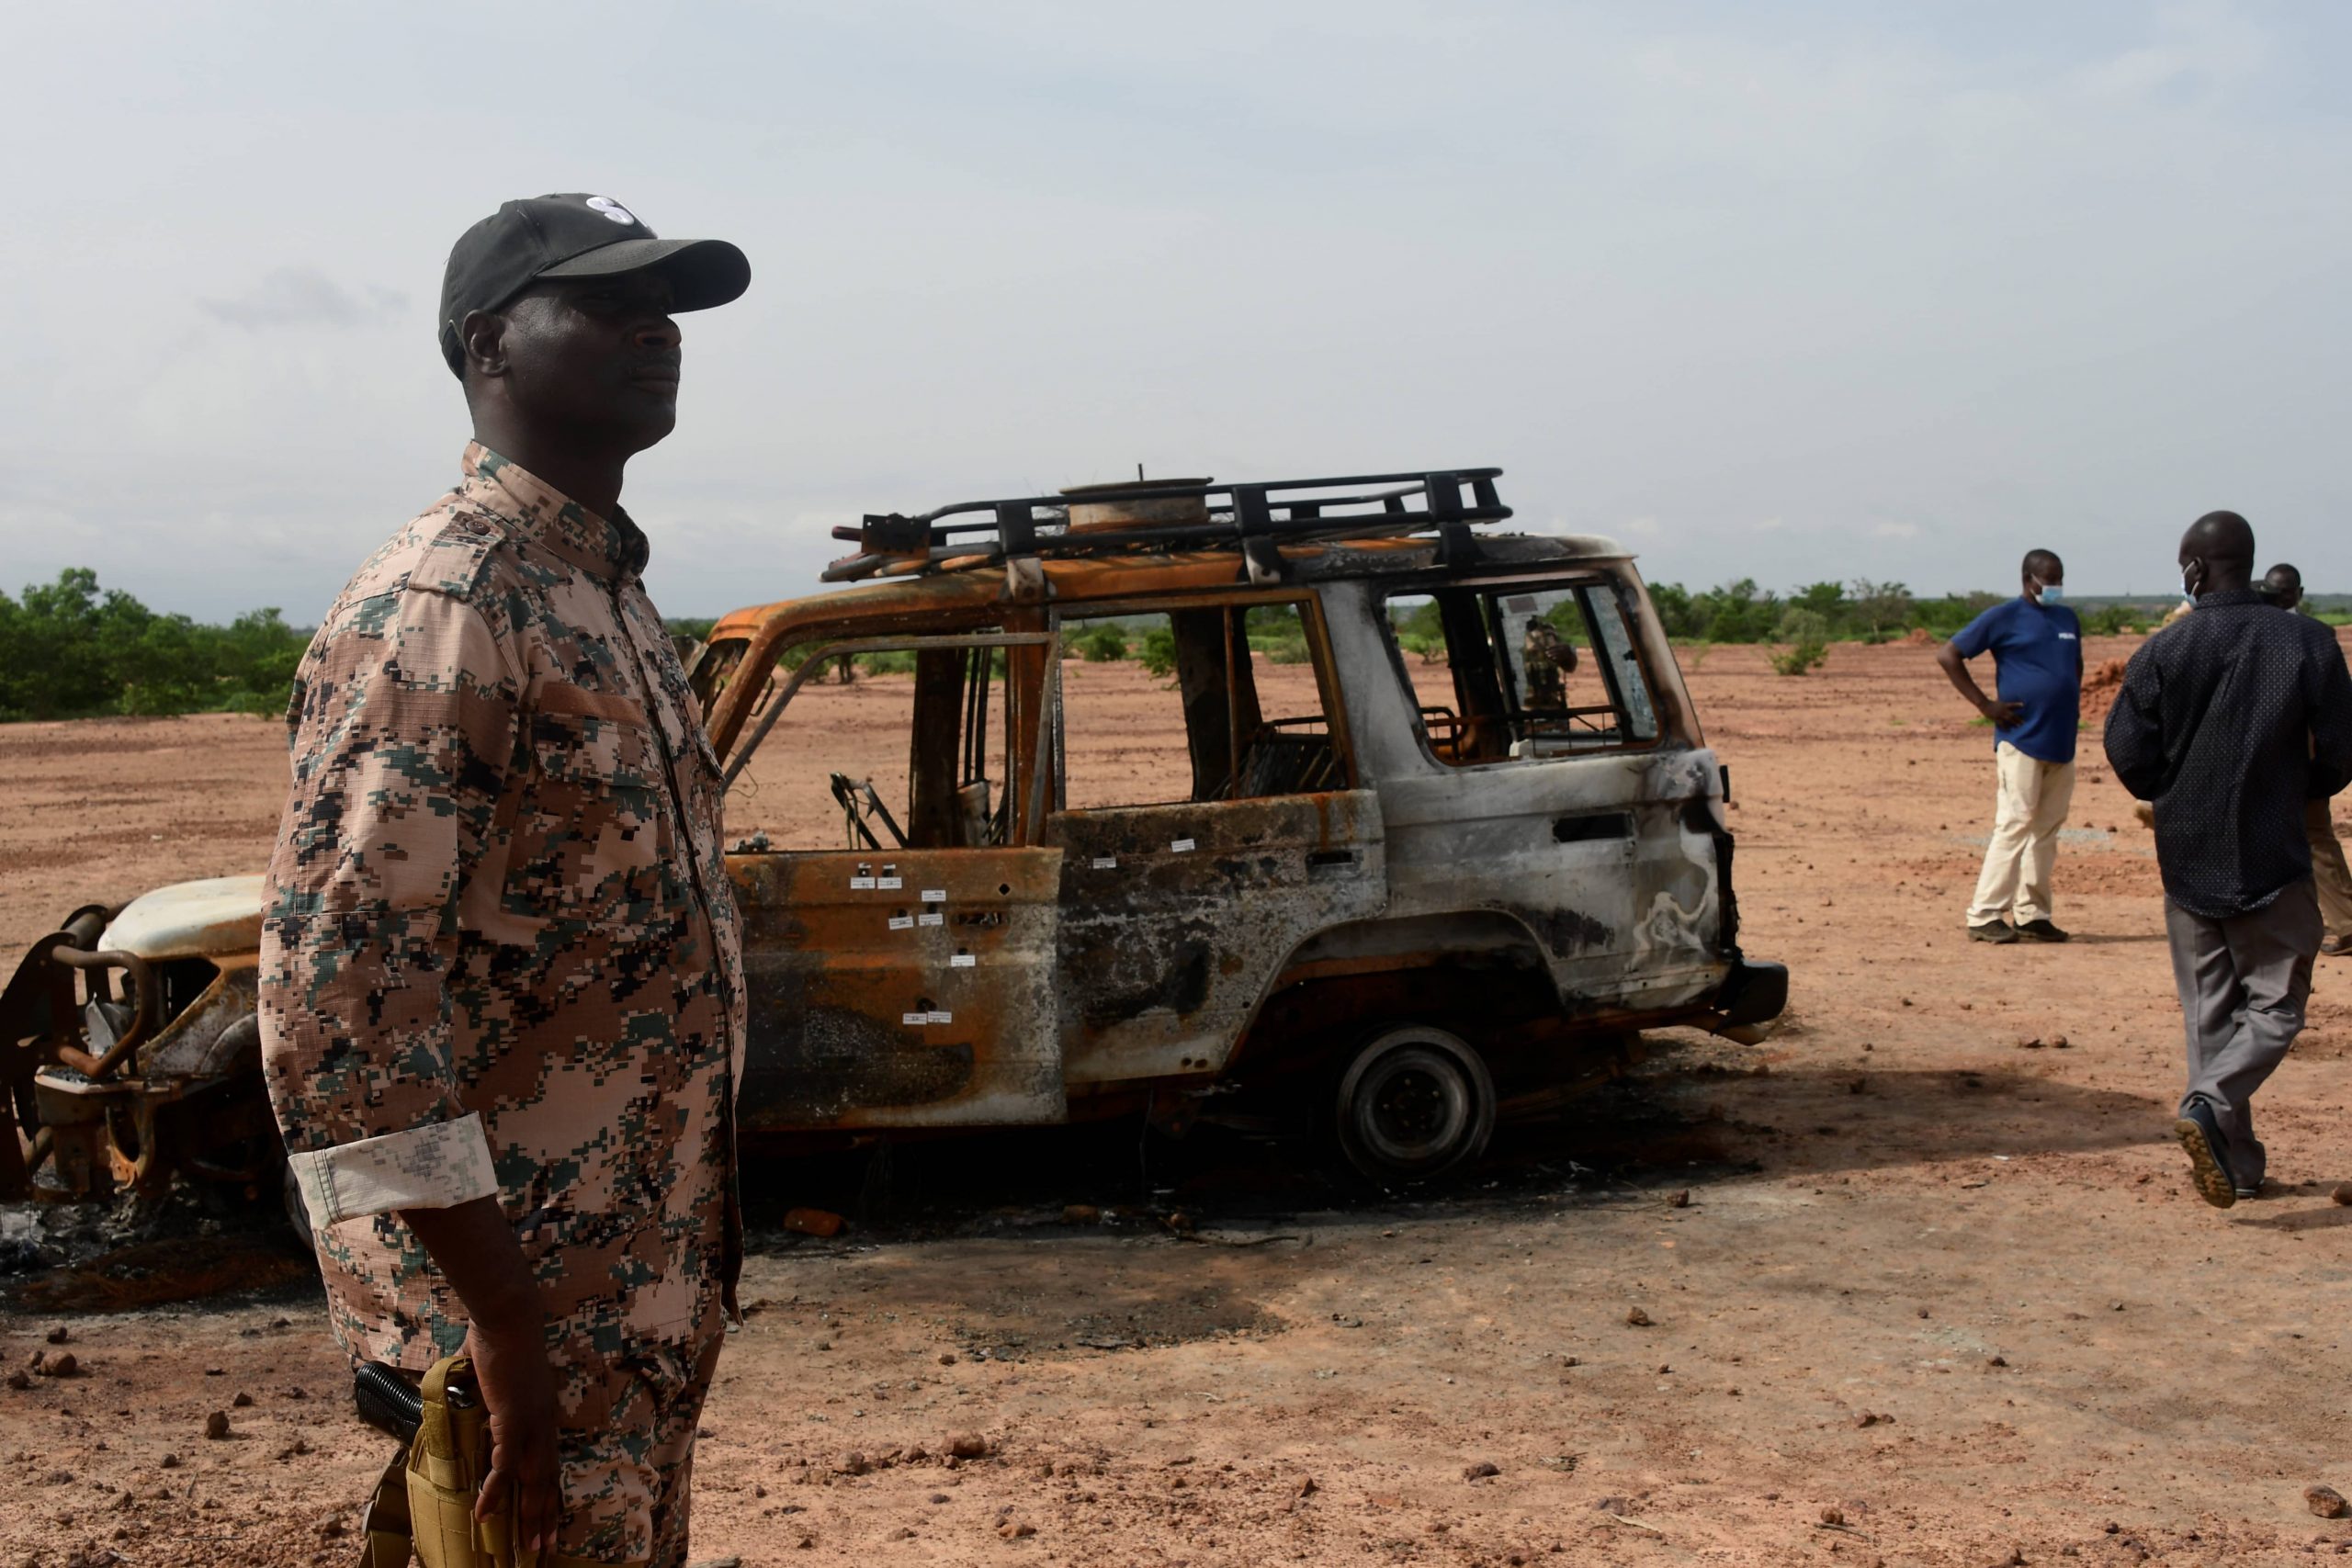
(19, 1379)
(1681, 1199)
(1612, 1504)
(2058, 1042)
(242, 1401)
(1868, 1419)
(59, 1335)
(1016, 1530)
(851, 1463)
(2029, 1042)
(1480, 1471)
(332, 1528)
(1080, 1214)
(64, 1366)
(2343, 1194)
(1306, 1487)
(968, 1445)
(939, 1497)
(947, 1358)
(1833, 1516)
(1637, 1318)
(717, 1562)
(1997, 1360)
(216, 1426)
(169, 1461)
(2326, 1502)
(812, 1221)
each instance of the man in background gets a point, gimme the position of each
(2283, 586)
(2230, 722)
(2037, 649)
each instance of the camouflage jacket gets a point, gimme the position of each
(499, 951)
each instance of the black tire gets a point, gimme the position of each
(1414, 1104)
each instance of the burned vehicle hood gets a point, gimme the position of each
(216, 917)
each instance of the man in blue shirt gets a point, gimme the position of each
(2037, 649)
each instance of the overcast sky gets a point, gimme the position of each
(1790, 291)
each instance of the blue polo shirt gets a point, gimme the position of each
(2036, 661)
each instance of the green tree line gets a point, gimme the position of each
(69, 649)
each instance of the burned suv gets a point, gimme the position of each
(1153, 798)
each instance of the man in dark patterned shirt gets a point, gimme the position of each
(2230, 721)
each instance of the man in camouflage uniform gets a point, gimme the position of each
(501, 984)
(1548, 657)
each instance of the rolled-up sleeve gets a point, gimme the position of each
(402, 730)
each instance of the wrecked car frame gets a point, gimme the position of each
(1444, 876)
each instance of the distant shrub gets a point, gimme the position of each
(1158, 654)
(1107, 644)
(1808, 634)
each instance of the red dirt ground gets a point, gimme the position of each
(1935, 1298)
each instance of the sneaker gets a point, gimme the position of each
(2039, 931)
(2337, 946)
(2200, 1139)
(1992, 930)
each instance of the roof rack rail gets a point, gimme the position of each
(1252, 518)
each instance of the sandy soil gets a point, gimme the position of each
(1935, 1298)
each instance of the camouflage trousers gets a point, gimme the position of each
(627, 1449)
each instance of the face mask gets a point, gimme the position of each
(2051, 592)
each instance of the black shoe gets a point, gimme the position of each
(1992, 930)
(2040, 930)
(2200, 1139)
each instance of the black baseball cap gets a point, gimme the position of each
(575, 234)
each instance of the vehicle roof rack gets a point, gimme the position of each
(1255, 519)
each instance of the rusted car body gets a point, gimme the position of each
(1380, 904)
(132, 1051)
(1440, 878)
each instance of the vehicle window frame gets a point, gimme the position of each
(1490, 588)
(1302, 598)
(1023, 829)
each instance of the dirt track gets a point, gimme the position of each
(1951, 1291)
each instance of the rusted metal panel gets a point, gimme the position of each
(1176, 919)
(872, 1005)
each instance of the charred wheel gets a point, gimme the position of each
(1415, 1102)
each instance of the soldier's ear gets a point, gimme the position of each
(483, 336)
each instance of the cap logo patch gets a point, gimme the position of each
(612, 209)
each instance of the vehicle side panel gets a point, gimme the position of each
(1175, 919)
(877, 1007)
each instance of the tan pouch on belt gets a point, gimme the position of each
(427, 1502)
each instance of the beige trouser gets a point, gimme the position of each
(2031, 807)
(2328, 870)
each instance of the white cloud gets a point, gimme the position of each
(1895, 531)
(302, 295)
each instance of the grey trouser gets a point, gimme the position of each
(2243, 983)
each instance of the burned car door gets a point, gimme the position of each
(1557, 797)
(908, 980)
(1177, 915)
